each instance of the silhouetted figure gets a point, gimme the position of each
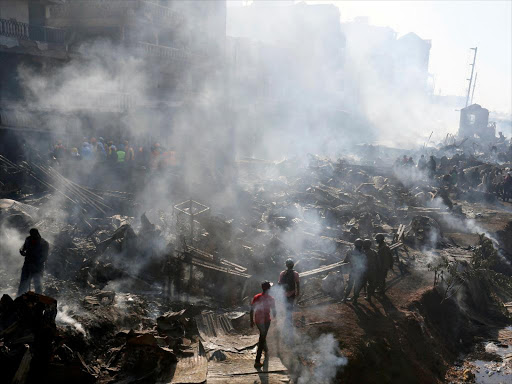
(290, 281)
(358, 270)
(431, 167)
(35, 250)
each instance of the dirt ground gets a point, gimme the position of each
(400, 337)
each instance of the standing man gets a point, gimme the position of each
(289, 280)
(385, 257)
(431, 165)
(121, 154)
(422, 163)
(111, 153)
(98, 149)
(358, 266)
(130, 153)
(261, 305)
(371, 269)
(35, 250)
(59, 151)
(86, 150)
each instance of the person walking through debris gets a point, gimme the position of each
(385, 262)
(289, 280)
(371, 270)
(357, 276)
(261, 306)
(35, 250)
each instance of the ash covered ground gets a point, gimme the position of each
(134, 293)
(176, 154)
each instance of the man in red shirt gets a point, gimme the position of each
(261, 306)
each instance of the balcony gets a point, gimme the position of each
(112, 12)
(105, 101)
(160, 15)
(89, 9)
(23, 31)
(164, 52)
(76, 100)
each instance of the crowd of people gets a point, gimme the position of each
(107, 152)
(423, 165)
(489, 179)
(368, 268)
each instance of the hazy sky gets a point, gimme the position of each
(453, 27)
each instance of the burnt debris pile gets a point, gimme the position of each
(125, 275)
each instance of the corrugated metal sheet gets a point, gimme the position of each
(217, 333)
(227, 356)
(193, 369)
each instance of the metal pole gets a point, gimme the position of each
(191, 221)
(471, 78)
(474, 86)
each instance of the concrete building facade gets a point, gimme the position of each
(176, 44)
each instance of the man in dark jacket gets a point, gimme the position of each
(371, 269)
(290, 281)
(385, 262)
(432, 167)
(358, 270)
(35, 250)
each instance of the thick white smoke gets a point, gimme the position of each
(11, 241)
(323, 352)
(326, 360)
(334, 84)
(64, 317)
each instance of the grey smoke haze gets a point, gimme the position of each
(287, 88)
(11, 241)
(353, 72)
(297, 83)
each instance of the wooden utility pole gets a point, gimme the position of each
(471, 78)
(474, 86)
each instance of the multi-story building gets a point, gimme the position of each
(174, 44)
(285, 63)
(396, 63)
(412, 55)
(307, 36)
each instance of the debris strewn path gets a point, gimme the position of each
(231, 355)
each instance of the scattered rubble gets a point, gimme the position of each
(133, 273)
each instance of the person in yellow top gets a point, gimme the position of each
(130, 153)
